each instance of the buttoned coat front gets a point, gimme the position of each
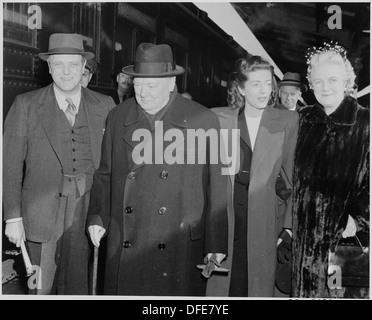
(32, 151)
(161, 217)
(273, 153)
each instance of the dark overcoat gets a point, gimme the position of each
(32, 153)
(331, 182)
(273, 154)
(161, 218)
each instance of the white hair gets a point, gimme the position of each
(332, 56)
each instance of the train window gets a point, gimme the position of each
(124, 34)
(15, 23)
(88, 23)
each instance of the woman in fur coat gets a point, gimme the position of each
(331, 173)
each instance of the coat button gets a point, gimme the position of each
(128, 210)
(164, 174)
(162, 210)
(131, 175)
(161, 246)
(126, 244)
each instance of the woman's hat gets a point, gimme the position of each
(153, 61)
(293, 79)
(66, 43)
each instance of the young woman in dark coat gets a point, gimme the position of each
(331, 173)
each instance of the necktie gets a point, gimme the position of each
(71, 111)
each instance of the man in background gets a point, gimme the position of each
(124, 89)
(90, 69)
(290, 91)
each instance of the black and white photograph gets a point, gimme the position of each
(211, 151)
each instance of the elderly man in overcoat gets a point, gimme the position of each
(52, 145)
(164, 212)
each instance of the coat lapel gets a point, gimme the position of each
(229, 120)
(48, 115)
(134, 121)
(267, 136)
(173, 119)
(242, 125)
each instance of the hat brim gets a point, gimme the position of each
(45, 55)
(129, 70)
(302, 86)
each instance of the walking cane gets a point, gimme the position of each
(95, 271)
(26, 259)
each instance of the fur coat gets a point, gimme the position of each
(331, 181)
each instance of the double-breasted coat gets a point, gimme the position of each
(32, 152)
(161, 217)
(273, 154)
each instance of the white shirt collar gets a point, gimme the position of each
(61, 98)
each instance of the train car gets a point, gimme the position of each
(113, 31)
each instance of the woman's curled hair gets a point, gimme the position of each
(239, 76)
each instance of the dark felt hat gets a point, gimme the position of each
(293, 79)
(153, 61)
(66, 43)
(91, 65)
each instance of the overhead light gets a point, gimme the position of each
(366, 31)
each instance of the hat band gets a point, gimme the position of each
(66, 49)
(154, 68)
(288, 80)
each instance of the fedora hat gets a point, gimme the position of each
(293, 79)
(66, 43)
(91, 65)
(153, 61)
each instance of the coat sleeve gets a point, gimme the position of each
(14, 154)
(358, 204)
(287, 167)
(99, 205)
(216, 228)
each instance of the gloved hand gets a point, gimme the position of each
(281, 189)
(96, 233)
(15, 232)
(212, 263)
(284, 246)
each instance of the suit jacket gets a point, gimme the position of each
(32, 149)
(162, 218)
(273, 154)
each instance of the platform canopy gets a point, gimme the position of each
(225, 16)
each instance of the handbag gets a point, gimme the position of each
(350, 257)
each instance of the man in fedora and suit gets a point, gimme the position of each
(52, 146)
(290, 91)
(90, 69)
(161, 218)
(124, 86)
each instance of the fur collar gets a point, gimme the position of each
(345, 114)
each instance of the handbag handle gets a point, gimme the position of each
(358, 241)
